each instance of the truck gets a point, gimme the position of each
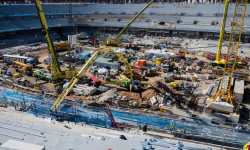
(22, 68)
(9, 60)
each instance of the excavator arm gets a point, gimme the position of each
(51, 50)
(127, 71)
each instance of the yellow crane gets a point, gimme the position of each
(56, 72)
(219, 61)
(127, 72)
(222, 34)
(224, 93)
(114, 42)
(23, 68)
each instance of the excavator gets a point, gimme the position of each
(56, 72)
(126, 76)
(219, 61)
(116, 41)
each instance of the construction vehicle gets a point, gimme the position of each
(56, 72)
(175, 85)
(158, 61)
(42, 75)
(16, 75)
(62, 53)
(127, 73)
(138, 76)
(168, 67)
(219, 61)
(225, 93)
(22, 68)
(247, 146)
(116, 41)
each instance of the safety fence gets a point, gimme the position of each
(96, 116)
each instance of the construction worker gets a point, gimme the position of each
(247, 146)
(171, 126)
(145, 128)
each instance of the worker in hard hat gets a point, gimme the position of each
(247, 146)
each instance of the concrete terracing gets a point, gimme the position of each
(55, 135)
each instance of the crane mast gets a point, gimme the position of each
(51, 50)
(222, 31)
(56, 72)
(224, 93)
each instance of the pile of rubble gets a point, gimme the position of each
(159, 95)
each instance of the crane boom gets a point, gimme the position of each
(222, 31)
(51, 50)
(128, 72)
(115, 41)
(224, 93)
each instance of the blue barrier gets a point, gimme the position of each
(96, 116)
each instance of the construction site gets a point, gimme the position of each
(124, 74)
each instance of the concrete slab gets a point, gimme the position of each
(234, 118)
(223, 106)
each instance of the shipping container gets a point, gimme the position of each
(142, 63)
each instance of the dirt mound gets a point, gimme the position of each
(130, 95)
(146, 95)
(154, 89)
